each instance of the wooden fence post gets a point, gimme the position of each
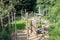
(12, 18)
(9, 19)
(27, 26)
(21, 13)
(2, 21)
(15, 24)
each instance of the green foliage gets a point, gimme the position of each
(53, 15)
(25, 4)
(5, 34)
(39, 25)
(45, 4)
(6, 7)
(54, 31)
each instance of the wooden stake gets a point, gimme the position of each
(27, 26)
(21, 13)
(25, 10)
(39, 10)
(2, 21)
(9, 20)
(12, 18)
(15, 25)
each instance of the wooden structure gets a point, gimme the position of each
(30, 30)
(33, 25)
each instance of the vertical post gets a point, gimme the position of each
(39, 10)
(2, 21)
(27, 25)
(46, 13)
(9, 20)
(25, 10)
(40, 16)
(43, 12)
(31, 26)
(15, 25)
(12, 26)
(34, 14)
(12, 17)
(21, 13)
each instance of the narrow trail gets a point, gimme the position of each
(21, 35)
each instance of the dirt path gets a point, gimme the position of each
(20, 35)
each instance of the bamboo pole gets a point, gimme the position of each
(40, 16)
(39, 10)
(27, 26)
(12, 18)
(2, 21)
(46, 13)
(9, 20)
(9, 24)
(21, 13)
(25, 10)
(15, 25)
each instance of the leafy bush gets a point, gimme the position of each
(5, 35)
(54, 31)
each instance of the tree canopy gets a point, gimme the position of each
(25, 4)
